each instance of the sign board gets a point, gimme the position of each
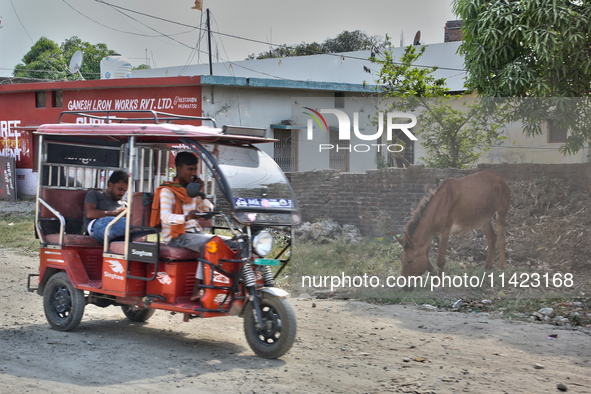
(7, 178)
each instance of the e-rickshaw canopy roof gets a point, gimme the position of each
(148, 133)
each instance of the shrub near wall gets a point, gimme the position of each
(379, 202)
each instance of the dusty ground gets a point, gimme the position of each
(342, 347)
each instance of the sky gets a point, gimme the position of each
(144, 39)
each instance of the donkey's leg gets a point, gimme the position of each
(443, 238)
(501, 234)
(491, 239)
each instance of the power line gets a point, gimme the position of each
(24, 70)
(19, 19)
(259, 41)
(151, 28)
(123, 31)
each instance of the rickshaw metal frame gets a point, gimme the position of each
(132, 140)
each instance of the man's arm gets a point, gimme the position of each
(93, 213)
(167, 201)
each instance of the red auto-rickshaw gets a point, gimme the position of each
(254, 207)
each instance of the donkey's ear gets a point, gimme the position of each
(407, 239)
(400, 240)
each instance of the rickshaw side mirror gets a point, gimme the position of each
(194, 190)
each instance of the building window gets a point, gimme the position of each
(339, 154)
(556, 133)
(41, 97)
(57, 98)
(408, 153)
(339, 100)
(285, 152)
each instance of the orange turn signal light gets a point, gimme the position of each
(211, 247)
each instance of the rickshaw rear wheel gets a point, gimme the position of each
(63, 303)
(136, 314)
(277, 337)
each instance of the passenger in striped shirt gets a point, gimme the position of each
(176, 212)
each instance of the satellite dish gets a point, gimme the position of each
(417, 40)
(76, 63)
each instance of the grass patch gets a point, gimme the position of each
(17, 231)
(381, 258)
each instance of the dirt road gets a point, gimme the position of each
(341, 347)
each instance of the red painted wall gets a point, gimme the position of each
(19, 112)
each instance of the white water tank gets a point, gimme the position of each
(115, 66)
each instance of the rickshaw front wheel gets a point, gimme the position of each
(136, 314)
(63, 303)
(279, 319)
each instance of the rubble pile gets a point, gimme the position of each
(327, 230)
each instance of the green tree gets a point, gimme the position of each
(92, 55)
(454, 133)
(48, 60)
(532, 48)
(350, 41)
(44, 60)
(344, 42)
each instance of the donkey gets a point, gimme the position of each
(456, 205)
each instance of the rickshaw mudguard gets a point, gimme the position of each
(67, 260)
(274, 291)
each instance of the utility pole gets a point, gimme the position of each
(209, 43)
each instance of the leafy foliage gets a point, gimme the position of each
(48, 60)
(531, 48)
(454, 134)
(401, 79)
(344, 42)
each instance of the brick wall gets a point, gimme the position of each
(453, 31)
(382, 200)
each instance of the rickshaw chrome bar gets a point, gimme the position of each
(108, 230)
(167, 172)
(159, 172)
(164, 117)
(142, 157)
(39, 181)
(132, 171)
(151, 171)
(59, 216)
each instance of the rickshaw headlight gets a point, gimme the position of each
(263, 243)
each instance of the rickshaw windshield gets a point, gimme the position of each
(256, 182)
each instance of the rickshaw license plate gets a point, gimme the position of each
(267, 262)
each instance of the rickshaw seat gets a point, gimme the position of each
(72, 240)
(70, 204)
(167, 253)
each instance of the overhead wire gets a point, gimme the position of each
(149, 27)
(259, 41)
(196, 50)
(230, 71)
(21, 22)
(124, 31)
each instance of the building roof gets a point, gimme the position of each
(341, 72)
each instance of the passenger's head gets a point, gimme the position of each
(117, 185)
(186, 167)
